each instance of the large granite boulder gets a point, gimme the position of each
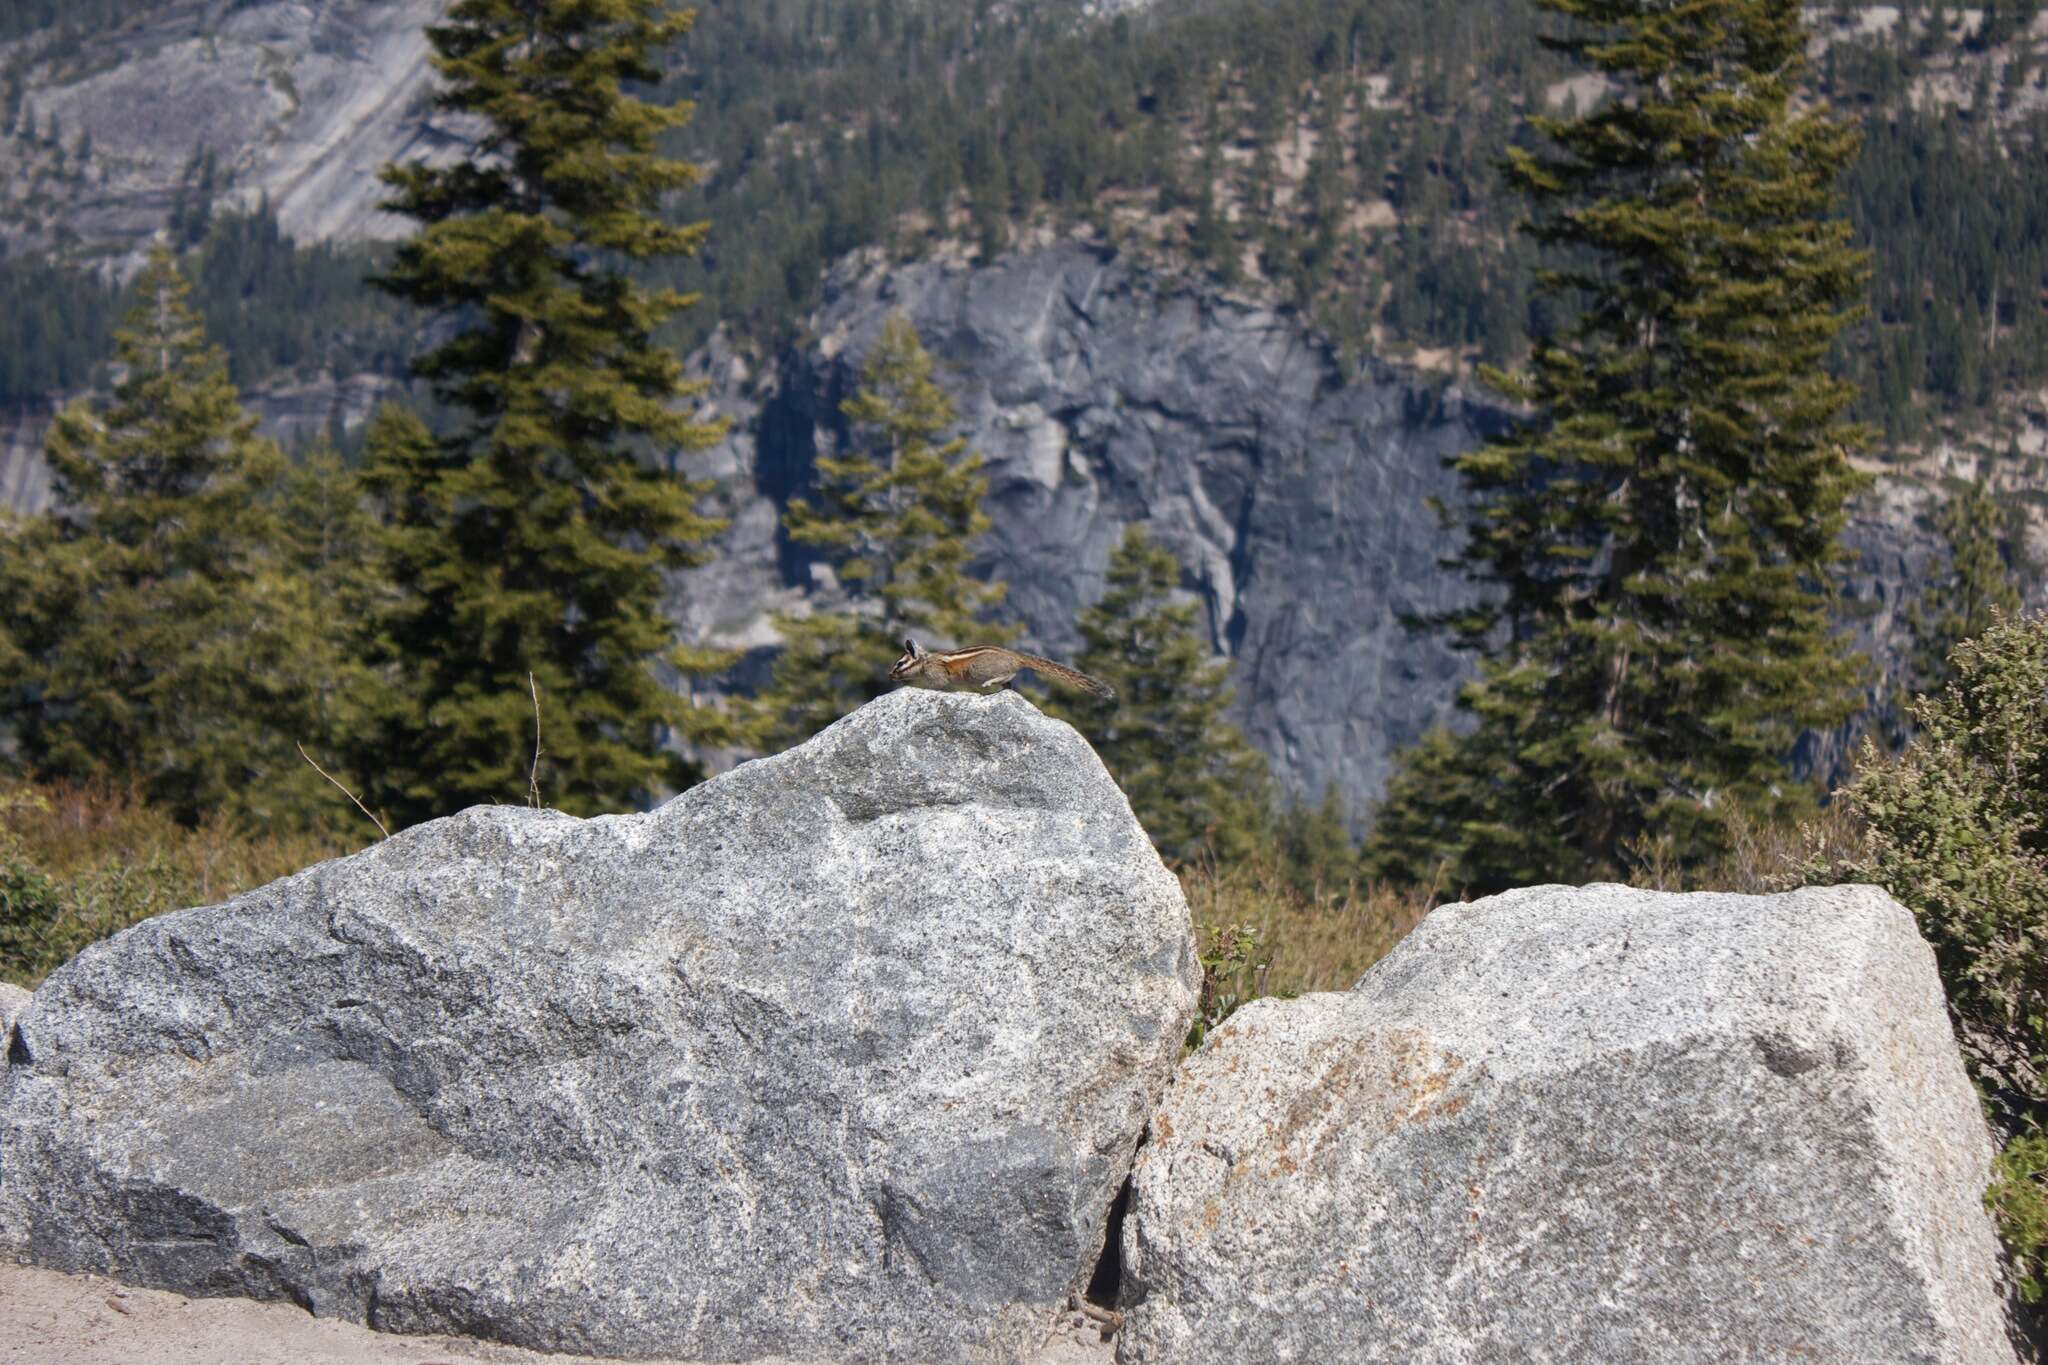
(1587, 1124)
(841, 1056)
(13, 1000)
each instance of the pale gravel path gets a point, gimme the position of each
(47, 1318)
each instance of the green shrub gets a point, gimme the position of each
(1953, 827)
(2018, 1198)
(1234, 966)
(45, 920)
(31, 904)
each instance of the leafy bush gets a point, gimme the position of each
(2018, 1198)
(1234, 966)
(1953, 827)
(31, 904)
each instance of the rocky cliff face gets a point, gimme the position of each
(24, 477)
(297, 100)
(1104, 395)
(1295, 495)
(290, 410)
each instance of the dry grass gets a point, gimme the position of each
(1320, 941)
(1262, 935)
(1762, 857)
(79, 863)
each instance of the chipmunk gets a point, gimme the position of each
(985, 666)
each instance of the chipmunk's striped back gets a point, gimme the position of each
(983, 667)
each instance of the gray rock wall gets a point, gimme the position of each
(300, 100)
(24, 474)
(1296, 495)
(1103, 395)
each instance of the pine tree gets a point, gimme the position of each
(1985, 547)
(1659, 541)
(531, 535)
(330, 589)
(159, 628)
(1440, 823)
(895, 519)
(1316, 848)
(1195, 784)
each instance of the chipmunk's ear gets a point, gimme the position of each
(910, 648)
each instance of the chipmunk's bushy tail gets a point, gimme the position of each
(1068, 677)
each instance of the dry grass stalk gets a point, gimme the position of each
(344, 791)
(533, 774)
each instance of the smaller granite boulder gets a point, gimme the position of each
(1589, 1124)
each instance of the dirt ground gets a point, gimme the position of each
(47, 1318)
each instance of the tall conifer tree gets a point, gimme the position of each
(160, 630)
(1316, 847)
(331, 562)
(530, 537)
(1660, 539)
(895, 516)
(1194, 782)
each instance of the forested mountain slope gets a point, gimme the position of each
(1339, 153)
(1342, 154)
(1323, 168)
